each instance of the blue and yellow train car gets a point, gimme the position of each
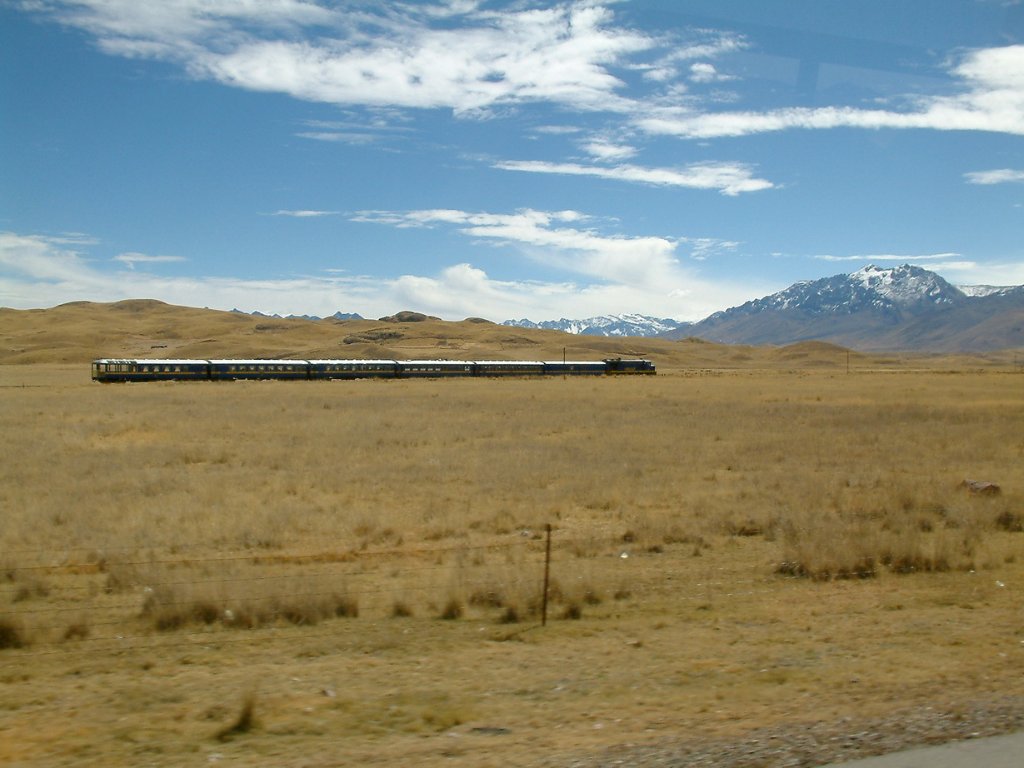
(259, 369)
(574, 367)
(508, 368)
(110, 369)
(352, 369)
(433, 369)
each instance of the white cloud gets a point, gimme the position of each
(992, 99)
(132, 258)
(999, 176)
(603, 149)
(404, 55)
(728, 178)
(304, 214)
(558, 130)
(339, 136)
(989, 273)
(475, 61)
(712, 45)
(703, 248)
(632, 274)
(43, 258)
(480, 62)
(545, 237)
(704, 72)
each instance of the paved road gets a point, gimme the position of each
(994, 752)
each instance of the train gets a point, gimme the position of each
(122, 370)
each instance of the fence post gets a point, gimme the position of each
(547, 573)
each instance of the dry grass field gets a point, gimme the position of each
(341, 573)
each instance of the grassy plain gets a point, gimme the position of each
(256, 572)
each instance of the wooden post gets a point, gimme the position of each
(547, 573)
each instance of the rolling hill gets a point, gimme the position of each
(79, 332)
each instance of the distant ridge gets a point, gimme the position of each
(605, 325)
(335, 316)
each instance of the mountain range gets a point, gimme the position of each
(905, 308)
(605, 325)
(898, 308)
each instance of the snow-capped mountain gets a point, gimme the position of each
(905, 307)
(872, 288)
(605, 325)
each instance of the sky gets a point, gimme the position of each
(515, 159)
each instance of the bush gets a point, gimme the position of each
(452, 609)
(12, 633)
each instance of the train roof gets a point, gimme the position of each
(147, 361)
(436, 362)
(238, 361)
(349, 361)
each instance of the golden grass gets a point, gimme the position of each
(168, 548)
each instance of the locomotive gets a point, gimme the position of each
(111, 370)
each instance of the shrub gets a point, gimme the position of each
(77, 629)
(245, 721)
(509, 616)
(12, 633)
(1010, 521)
(452, 609)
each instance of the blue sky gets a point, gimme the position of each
(503, 159)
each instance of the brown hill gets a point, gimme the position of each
(82, 331)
